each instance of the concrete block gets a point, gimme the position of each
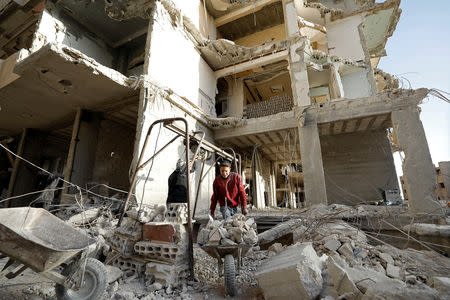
(166, 274)
(158, 232)
(177, 212)
(293, 274)
(164, 252)
(332, 244)
(203, 236)
(341, 280)
(129, 266)
(442, 285)
(114, 273)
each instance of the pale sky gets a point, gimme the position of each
(419, 51)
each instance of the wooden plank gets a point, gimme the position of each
(71, 153)
(242, 12)
(12, 180)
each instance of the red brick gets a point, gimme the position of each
(158, 232)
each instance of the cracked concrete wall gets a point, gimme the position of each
(418, 170)
(174, 64)
(357, 166)
(344, 39)
(54, 27)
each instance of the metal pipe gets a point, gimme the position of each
(198, 148)
(159, 151)
(198, 188)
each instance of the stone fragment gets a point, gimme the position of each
(113, 273)
(332, 244)
(224, 233)
(341, 280)
(442, 285)
(214, 237)
(250, 237)
(346, 250)
(392, 271)
(84, 217)
(276, 248)
(227, 242)
(236, 234)
(292, 274)
(386, 259)
(203, 236)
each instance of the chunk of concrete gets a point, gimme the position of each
(214, 237)
(332, 244)
(442, 285)
(396, 291)
(392, 271)
(113, 273)
(346, 250)
(293, 274)
(386, 259)
(276, 248)
(341, 280)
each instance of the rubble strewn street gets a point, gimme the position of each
(328, 259)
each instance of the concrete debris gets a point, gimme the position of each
(341, 280)
(428, 229)
(114, 273)
(391, 291)
(294, 273)
(278, 231)
(234, 230)
(442, 285)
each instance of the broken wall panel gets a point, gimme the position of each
(55, 26)
(174, 62)
(113, 155)
(357, 166)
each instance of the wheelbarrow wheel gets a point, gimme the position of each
(230, 275)
(93, 286)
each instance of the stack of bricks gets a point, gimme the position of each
(274, 105)
(156, 250)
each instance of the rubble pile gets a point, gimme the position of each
(148, 245)
(232, 231)
(333, 260)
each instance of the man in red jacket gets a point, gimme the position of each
(229, 191)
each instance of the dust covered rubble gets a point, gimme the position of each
(232, 231)
(333, 260)
(142, 264)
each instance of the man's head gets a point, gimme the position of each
(225, 168)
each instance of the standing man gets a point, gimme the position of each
(229, 191)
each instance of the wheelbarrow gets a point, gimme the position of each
(229, 262)
(34, 238)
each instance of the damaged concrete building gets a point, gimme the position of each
(292, 86)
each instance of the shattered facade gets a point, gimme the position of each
(292, 86)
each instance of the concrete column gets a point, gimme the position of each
(312, 165)
(336, 87)
(236, 101)
(418, 169)
(258, 184)
(273, 185)
(297, 66)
